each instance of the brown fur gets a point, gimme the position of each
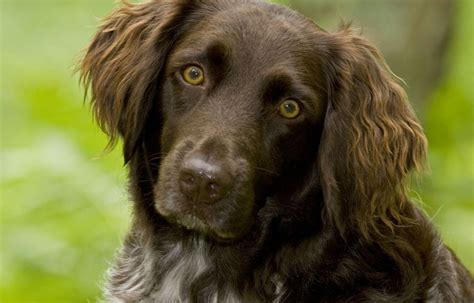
(318, 210)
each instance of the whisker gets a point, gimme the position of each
(265, 170)
(153, 158)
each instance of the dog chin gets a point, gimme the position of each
(193, 223)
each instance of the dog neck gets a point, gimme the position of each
(179, 270)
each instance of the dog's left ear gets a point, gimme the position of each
(371, 138)
(123, 63)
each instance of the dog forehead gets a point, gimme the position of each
(263, 33)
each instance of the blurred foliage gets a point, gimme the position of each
(449, 125)
(412, 34)
(64, 205)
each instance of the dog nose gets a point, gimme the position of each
(203, 180)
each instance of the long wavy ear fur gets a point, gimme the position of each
(370, 142)
(122, 65)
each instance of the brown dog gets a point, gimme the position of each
(267, 160)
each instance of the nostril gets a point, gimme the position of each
(213, 187)
(188, 184)
(188, 179)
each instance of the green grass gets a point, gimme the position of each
(64, 205)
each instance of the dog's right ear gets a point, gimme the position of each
(123, 63)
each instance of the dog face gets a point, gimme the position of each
(232, 103)
(240, 107)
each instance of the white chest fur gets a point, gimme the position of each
(179, 265)
(187, 265)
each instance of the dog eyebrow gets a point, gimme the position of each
(277, 86)
(218, 54)
(215, 56)
(280, 85)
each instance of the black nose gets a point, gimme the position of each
(203, 180)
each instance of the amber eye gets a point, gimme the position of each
(289, 109)
(193, 74)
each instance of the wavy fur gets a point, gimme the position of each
(321, 202)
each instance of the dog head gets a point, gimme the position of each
(238, 101)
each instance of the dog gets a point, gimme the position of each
(267, 160)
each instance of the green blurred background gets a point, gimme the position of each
(64, 204)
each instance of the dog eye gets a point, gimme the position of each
(289, 109)
(193, 75)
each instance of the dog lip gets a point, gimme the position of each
(192, 222)
(224, 235)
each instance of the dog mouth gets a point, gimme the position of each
(193, 223)
(196, 221)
